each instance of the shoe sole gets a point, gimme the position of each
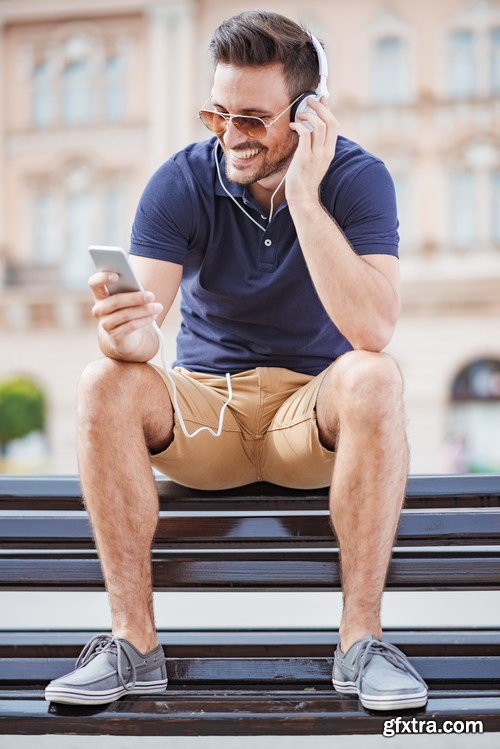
(69, 696)
(374, 702)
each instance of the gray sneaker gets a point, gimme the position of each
(107, 668)
(380, 674)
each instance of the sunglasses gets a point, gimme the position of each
(253, 127)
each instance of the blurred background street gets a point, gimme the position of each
(96, 94)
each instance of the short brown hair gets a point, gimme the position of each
(257, 37)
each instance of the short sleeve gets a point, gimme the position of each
(163, 221)
(368, 215)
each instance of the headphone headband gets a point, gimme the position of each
(322, 89)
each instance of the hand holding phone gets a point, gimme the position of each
(126, 316)
(122, 307)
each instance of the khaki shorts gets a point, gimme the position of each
(269, 431)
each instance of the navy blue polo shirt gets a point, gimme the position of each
(247, 298)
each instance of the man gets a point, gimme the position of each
(286, 252)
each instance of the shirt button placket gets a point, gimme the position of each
(270, 251)
(267, 254)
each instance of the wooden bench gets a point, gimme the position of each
(258, 537)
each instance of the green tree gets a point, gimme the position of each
(22, 410)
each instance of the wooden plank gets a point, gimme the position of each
(32, 529)
(474, 672)
(18, 692)
(244, 712)
(64, 492)
(421, 484)
(256, 642)
(247, 502)
(305, 569)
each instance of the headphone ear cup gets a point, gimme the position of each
(299, 106)
(302, 106)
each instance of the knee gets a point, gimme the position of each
(106, 384)
(368, 381)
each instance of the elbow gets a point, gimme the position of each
(370, 345)
(376, 341)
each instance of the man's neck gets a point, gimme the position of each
(263, 195)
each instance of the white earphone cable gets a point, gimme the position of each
(234, 199)
(272, 196)
(175, 402)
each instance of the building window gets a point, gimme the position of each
(114, 98)
(90, 85)
(115, 215)
(42, 101)
(77, 95)
(495, 60)
(391, 78)
(404, 202)
(45, 244)
(77, 266)
(463, 65)
(463, 214)
(495, 208)
(471, 442)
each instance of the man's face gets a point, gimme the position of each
(260, 92)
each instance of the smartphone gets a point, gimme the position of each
(115, 260)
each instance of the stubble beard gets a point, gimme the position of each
(281, 157)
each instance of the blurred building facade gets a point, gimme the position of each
(96, 94)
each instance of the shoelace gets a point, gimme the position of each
(390, 652)
(101, 643)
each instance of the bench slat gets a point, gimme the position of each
(64, 492)
(477, 672)
(177, 528)
(244, 712)
(247, 569)
(261, 643)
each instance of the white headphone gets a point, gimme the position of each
(299, 107)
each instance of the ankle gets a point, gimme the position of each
(349, 635)
(143, 642)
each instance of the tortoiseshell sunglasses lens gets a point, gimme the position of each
(217, 123)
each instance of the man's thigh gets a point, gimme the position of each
(204, 461)
(292, 452)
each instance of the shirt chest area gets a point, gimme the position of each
(247, 241)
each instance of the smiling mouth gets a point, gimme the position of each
(245, 157)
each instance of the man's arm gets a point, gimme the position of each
(359, 298)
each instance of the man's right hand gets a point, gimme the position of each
(123, 317)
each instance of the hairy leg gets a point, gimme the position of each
(360, 414)
(124, 410)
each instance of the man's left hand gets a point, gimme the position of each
(314, 153)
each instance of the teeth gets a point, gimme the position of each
(246, 154)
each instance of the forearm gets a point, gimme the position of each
(143, 350)
(359, 299)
